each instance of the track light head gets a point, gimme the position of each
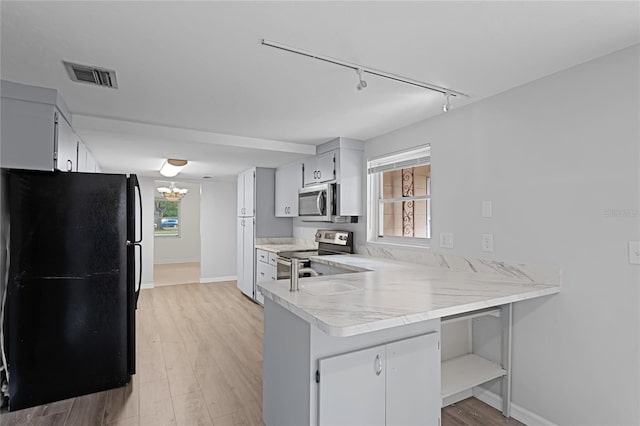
(447, 103)
(361, 83)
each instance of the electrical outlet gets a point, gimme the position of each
(446, 240)
(634, 252)
(487, 242)
(487, 209)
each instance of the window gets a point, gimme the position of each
(400, 197)
(166, 221)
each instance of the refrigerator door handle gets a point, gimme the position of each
(139, 192)
(137, 291)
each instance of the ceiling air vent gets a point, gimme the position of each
(92, 75)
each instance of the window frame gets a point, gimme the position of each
(375, 200)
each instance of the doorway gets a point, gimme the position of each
(176, 254)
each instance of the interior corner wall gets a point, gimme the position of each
(147, 189)
(185, 247)
(560, 160)
(218, 231)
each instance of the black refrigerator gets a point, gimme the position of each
(72, 284)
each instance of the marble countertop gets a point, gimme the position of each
(391, 293)
(277, 248)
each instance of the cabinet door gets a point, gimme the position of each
(326, 167)
(66, 147)
(310, 171)
(249, 192)
(245, 258)
(240, 254)
(413, 381)
(241, 194)
(352, 388)
(288, 182)
(249, 257)
(82, 164)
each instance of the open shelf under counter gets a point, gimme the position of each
(466, 371)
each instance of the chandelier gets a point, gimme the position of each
(172, 193)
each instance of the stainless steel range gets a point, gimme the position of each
(330, 242)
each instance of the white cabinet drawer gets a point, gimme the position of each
(265, 272)
(262, 256)
(273, 259)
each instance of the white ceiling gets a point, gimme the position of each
(195, 83)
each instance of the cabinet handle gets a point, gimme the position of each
(319, 174)
(378, 365)
(69, 165)
(262, 273)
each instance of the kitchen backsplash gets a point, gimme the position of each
(533, 273)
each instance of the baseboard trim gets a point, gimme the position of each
(517, 412)
(147, 286)
(218, 279)
(169, 261)
(452, 399)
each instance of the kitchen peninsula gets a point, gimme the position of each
(364, 347)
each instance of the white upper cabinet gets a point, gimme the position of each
(340, 161)
(288, 182)
(37, 132)
(86, 160)
(66, 151)
(320, 168)
(246, 193)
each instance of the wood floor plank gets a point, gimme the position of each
(123, 403)
(87, 410)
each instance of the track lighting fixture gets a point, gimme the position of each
(362, 84)
(361, 69)
(447, 102)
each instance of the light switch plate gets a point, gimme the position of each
(487, 209)
(487, 242)
(446, 240)
(634, 252)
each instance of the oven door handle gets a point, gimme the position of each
(283, 261)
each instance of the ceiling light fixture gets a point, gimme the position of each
(360, 69)
(447, 102)
(361, 84)
(172, 193)
(172, 167)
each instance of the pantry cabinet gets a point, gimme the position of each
(256, 220)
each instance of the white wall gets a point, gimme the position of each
(186, 246)
(560, 159)
(218, 231)
(147, 189)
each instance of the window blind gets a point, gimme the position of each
(403, 160)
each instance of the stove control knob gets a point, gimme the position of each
(318, 235)
(342, 237)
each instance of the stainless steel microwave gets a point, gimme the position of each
(317, 202)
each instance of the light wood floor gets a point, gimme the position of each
(199, 363)
(176, 273)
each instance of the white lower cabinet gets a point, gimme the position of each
(393, 384)
(266, 269)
